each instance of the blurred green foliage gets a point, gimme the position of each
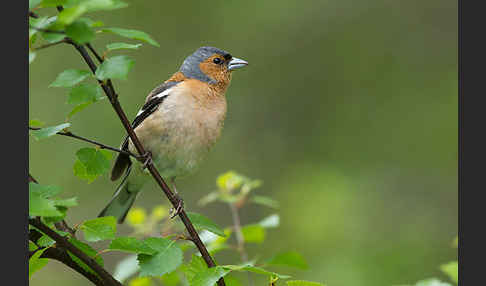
(347, 111)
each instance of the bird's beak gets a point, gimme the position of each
(236, 63)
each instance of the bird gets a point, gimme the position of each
(180, 121)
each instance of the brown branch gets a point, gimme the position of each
(33, 15)
(101, 145)
(175, 201)
(49, 45)
(46, 30)
(62, 242)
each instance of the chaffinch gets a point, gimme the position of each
(178, 124)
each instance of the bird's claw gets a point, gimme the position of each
(147, 157)
(180, 206)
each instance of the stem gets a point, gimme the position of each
(113, 97)
(101, 145)
(239, 238)
(49, 45)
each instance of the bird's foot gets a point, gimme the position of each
(147, 157)
(180, 206)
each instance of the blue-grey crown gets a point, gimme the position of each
(190, 66)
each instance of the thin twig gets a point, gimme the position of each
(33, 15)
(240, 241)
(101, 145)
(49, 45)
(112, 96)
(46, 30)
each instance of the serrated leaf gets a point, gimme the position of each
(45, 241)
(46, 191)
(171, 279)
(255, 269)
(290, 258)
(452, 270)
(71, 202)
(270, 221)
(131, 244)
(167, 258)
(97, 162)
(32, 246)
(97, 229)
(303, 283)
(126, 268)
(80, 32)
(31, 56)
(41, 206)
(36, 263)
(69, 15)
(88, 250)
(115, 67)
(132, 34)
(265, 201)
(70, 78)
(36, 123)
(195, 266)
(81, 172)
(120, 46)
(48, 131)
(208, 277)
(85, 93)
(53, 3)
(253, 233)
(432, 282)
(201, 222)
(229, 180)
(33, 3)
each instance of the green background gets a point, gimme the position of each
(347, 112)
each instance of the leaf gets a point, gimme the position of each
(36, 263)
(290, 258)
(85, 93)
(452, 270)
(81, 172)
(88, 250)
(101, 228)
(265, 201)
(140, 281)
(229, 180)
(53, 3)
(80, 32)
(270, 221)
(41, 206)
(33, 4)
(132, 34)
(36, 123)
(195, 266)
(96, 161)
(69, 15)
(115, 67)
(167, 258)
(432, 282)
(125, 46)
(255, 269)
(232, 281)
(45, 191)
(48, 131)
(45, 241)
(126, 268)
(31, 57)
(201, 222)
(253, 233)
(71, 202)
(32, 246)
(131, 244)
(209, 198)
(208, 277)
(70, 78)
(303, 283)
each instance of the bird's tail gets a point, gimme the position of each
(122, 200)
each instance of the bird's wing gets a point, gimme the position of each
(154, 99)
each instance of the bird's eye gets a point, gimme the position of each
(217, 61)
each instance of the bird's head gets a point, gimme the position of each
(211, 65)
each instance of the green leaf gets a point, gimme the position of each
(69, 15)
(452, 270)
(232, 281)
(303, 283)
(88, 250)
(208, 277)
(32, 246)
(80, 32)
(290, 258)
(265, 201)
(31, 56)
(53, 3)
(202, 222)
(229, 180)
(171, 279)
(131, 244)
(45, 241)
(33, 3)
(78, 108)
(96, 161)
(209, 198)
(167, 258)
(115, 67)
(36, 123)
(270, 221)
(45, 191)
(253, 233)
(255, 269)
(195, 266)
(125, 46)
(36, 263)
(70, 78)
(132, 34)
(101, 228)
(39, 205)
(48, 131)
(127, 267)
(432, 282)
(71, 202)
(85, 93)
(81, 172)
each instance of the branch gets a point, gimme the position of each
(62, 242)
(33, 15)
(46, 30)
(113, 97)
(49, 45)
(101, 145)
(239, 238)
